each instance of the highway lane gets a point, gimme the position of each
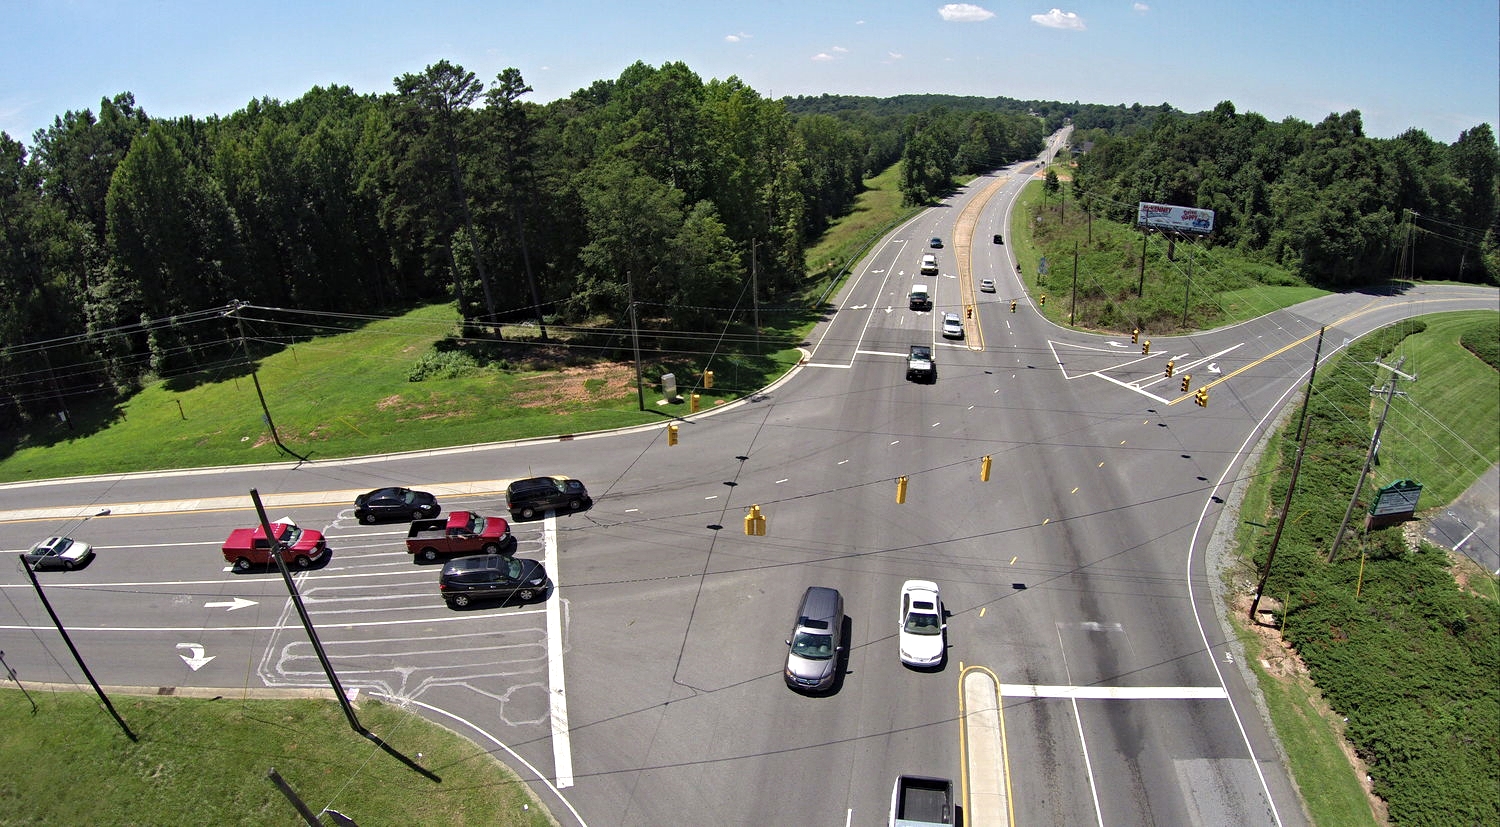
(1076, 566)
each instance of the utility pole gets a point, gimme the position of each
(317, 644)
(1286, 506)
(635, 341)
(74, 649)
(1140, 289)
(1390, 393)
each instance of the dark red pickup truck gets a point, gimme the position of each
(462, 532)
(248, 547)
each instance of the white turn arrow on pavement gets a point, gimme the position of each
(229, 605)
(859, 307)
(198, 659)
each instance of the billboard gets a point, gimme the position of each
(1174, 219)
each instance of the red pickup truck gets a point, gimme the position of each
(248, 547)
(462, 532)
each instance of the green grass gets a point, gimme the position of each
(875, 212)
(201, 761)
(1408, 658)
(1200, 287)
(349, 394)
(1421, 441)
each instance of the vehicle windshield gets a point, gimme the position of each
(814, 646)
(59, 547)
(922, 624)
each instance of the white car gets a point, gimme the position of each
(986, 285)
(953, 327)
(59, 553)
(922, 638)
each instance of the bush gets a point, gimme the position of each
(442, 364)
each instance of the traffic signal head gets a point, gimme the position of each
(1145, 347)
(1012, 305)
(1135, 335)
(1201, 397)
(1187, 381)
(672, 434)
(1171, 366)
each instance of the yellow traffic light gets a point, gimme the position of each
(693, 403)
(755, 522)
(1012, 305)
(969, 312)
(708, 379)
(672, 434)
(1187, 381)
(1135, 336)
(1201, 397)
(1145, 347)
(1171, 366)
(1044, 299)
(901, 489)
(984, 468)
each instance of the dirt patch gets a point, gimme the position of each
(571, 386)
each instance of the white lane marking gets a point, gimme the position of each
(468, 616)
(497, 742)
(1088, 763)
(1113, 693)
(562, 749)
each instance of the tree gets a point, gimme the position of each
(431, 118)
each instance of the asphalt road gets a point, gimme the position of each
(648, 688)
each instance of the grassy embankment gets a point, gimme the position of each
(1395, 648)
(205, 761)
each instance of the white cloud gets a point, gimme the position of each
(895, 55)
(1058, 19)
(964, 13)
(840, 49)
(822, 56)
(1142, 8)
(736, 38)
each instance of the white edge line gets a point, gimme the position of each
(562, 745)
(497, 742)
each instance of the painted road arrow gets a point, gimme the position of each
(198, 659)
(229, 605)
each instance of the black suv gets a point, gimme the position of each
(493, 577)
(530, 497)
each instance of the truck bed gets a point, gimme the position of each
(922, 801)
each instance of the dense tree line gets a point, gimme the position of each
(1326, 201)
(125, 240)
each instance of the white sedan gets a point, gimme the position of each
(59, 553)
(922, 624)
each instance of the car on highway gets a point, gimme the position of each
(953, 326)
(59, 553)
(395, 504)
(986, 285)
(529, 497)
(812, 658)
(999, 239)
(921, 639)
(935, 243)
(467, 580)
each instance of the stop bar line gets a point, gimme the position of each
(1122, 693)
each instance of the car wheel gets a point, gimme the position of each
(429, 554)
(491, 548)
(67, 565)
(242, 564)
(527, 512)
(526, 595)
(460, 600)
(367, 518)
(575, 504)
(302, 561)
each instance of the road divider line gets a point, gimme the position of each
(562, 746)
(1114, 693)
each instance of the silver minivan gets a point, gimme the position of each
(817, 640)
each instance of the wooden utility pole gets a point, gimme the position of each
(1390, 393)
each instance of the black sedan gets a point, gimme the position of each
(492, 577)
(395, 504)
(59, 553)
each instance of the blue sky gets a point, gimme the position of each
(1432, 66)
